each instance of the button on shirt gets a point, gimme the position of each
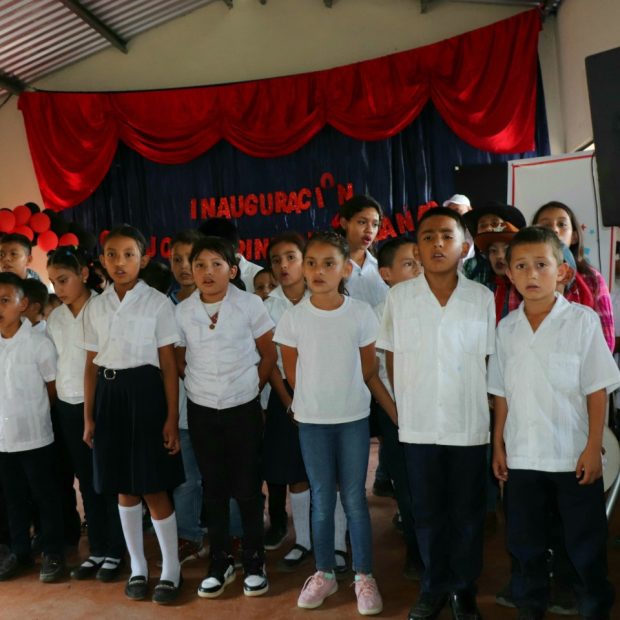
(127, 334)
(27, 363)
(440, 361)
(67, 334)
(222, 362)
(365, 282)
(545, 377)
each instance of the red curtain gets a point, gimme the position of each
(483, 83)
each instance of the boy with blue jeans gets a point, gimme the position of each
(550, 377)
(437, 330)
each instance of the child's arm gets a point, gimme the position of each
(500, 469)
(382, 396)
(179, 354)
(170, 376)
(51, 391)
(277, 383)
(389, 366)
(268, 356)
(90, 382)
(590, 464)
(289, 361)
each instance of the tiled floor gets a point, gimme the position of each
(27, 599)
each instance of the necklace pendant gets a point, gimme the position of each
(212, 326)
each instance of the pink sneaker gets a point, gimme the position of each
(369, 600)
(316, 589)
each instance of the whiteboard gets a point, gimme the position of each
(570, 179)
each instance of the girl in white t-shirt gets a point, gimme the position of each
(328, 352)
(74, 281)
(131, 407)
(226, 355)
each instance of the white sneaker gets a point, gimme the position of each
(219, 577)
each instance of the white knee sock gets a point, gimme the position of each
(131, 522)
(166, 531)
(340, 526)
(300, 505)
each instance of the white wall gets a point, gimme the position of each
(583, 28)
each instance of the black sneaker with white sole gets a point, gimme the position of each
(52, 568)
(221, 573)
(255, 580)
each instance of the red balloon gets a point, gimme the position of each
(22, 215)
(68, 239)
(40, 222)
(48, 240)
(102, 237)
(7, 221)
(24, 230)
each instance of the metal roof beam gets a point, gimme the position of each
(12, 84)
(96, 24)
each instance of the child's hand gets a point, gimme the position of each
(89, 433)
(589, 466)
(171, 437)
(500, 468)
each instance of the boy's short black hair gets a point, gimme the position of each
(537, 234)
(221, 227)
(129, 231)
(188, 237)
(35, 292)
(387, 252)
(16, 238)
(266, 270)
(10, 279)
(443, 212)
(157, 275)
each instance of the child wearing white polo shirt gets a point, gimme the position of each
(27, 374)
(551, 375)
(226, 355)
(437, 330)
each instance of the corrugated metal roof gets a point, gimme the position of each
(38, 37)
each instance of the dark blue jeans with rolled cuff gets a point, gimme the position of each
(448, 501)
(336, 458)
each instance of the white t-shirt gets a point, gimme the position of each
(329, 385)
(67, 334)
(27, 363)
(222, 362)
(127, 334)
(365, 282)
(546, 376)
(247, 271)
(440, 361)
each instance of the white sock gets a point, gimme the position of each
(166, 531)
(93, 559)
(110, 563)
(131, 522)
(300, 506)
(340, 526)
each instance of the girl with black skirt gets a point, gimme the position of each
(226, 355)
(131, 415)
(74, 282)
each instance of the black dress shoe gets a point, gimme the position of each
(86, 570)
(137, 588)
(463, 605)
(110, 570)
(428, 606)
(165, 592)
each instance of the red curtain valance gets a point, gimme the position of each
(483, 84)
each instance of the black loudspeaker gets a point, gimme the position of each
(482, 183)
(603, 71)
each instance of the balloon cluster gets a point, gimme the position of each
(45, 229)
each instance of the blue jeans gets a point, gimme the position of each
(188, 496)
(337, 455)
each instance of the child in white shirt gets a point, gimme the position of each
(551, 376)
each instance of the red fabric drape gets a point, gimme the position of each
(483, 84)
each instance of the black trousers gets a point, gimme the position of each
(227, 445)
(394, 459)
(105, 535)
(528, 497)
(30, 476)
(448, 499)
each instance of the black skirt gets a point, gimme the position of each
(128, 448)
(282, 460)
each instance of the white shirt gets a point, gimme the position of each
(365, 282)
(439, 361)
(40, 327)
(67, 334)
(27, 363)
(127, 334)
(247, 271)
(329, 385)
(383, 375)
(546, 376)
(222, 362)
